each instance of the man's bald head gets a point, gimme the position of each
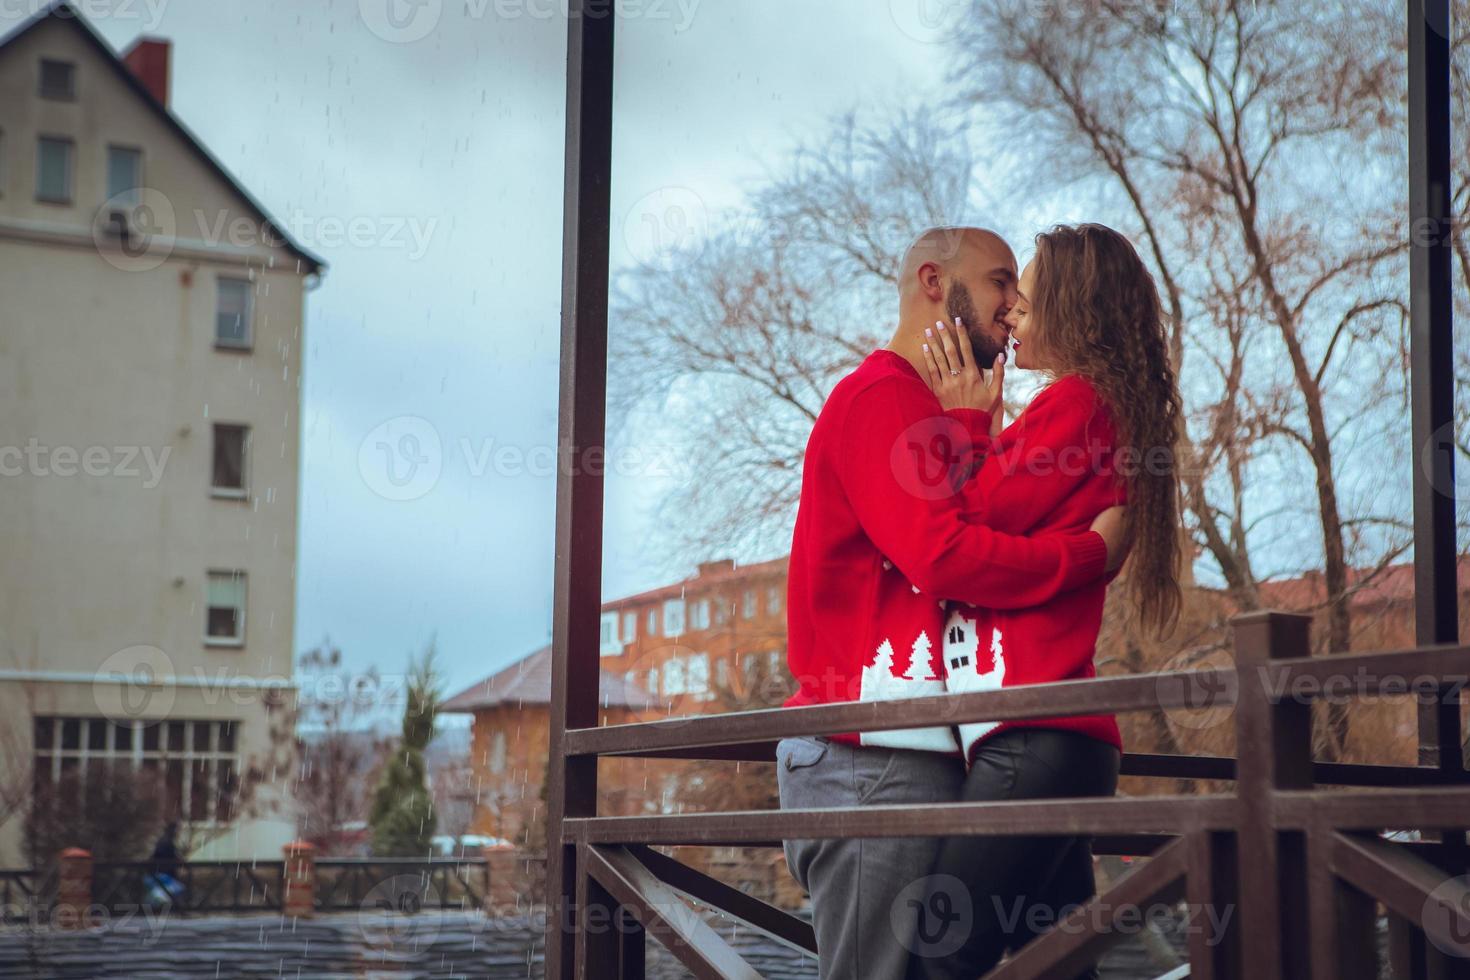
(963, 272)
(948, 247)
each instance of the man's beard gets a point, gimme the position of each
(960, 304)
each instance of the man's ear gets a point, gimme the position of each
(931, 281)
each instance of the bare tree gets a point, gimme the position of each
(337, 750)
(1258, 158)
(742, 337)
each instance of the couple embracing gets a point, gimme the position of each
(938, 551)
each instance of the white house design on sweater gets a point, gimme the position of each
(880, 682)
(968, 668)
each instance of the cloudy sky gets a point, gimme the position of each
(436, 125)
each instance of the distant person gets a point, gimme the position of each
(162, 881)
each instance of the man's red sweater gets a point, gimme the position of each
(882, 540)
(1050, 472)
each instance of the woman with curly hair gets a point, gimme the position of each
(1103, 431)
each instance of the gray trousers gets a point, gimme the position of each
(866, 893)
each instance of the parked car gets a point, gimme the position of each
(466, 845)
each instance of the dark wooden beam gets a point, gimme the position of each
(1431, 357)
(1273, 741)
(1112, 816)
(1404, 883)
(665, 916)
(778, 924)
(577, 581)
(1081, 937)
(1374, 809)
(1142, 692)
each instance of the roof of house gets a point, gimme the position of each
(66, 13)
(714, 575)
(1391, 585)
(528, 681)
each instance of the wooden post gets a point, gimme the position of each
(1273, 748)
(577, 577)
(298, 880)
(74, 891)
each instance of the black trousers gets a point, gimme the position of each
(988, 895)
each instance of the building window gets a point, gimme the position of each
(674, 676)
(53, 170)
(58, 80)
(230, 445)
(653, 680)
(630, 679)
(608, 638)
(652, 629)
(124, 174)
(722, 673)
(696, 673)
(674, 617)
(497, 753)
(775, 662)
(773, 600)
(699, 615)
(232, 314)
(747, 604)
(722, 612)
(193, 765)
(224, 618)
(630, 627)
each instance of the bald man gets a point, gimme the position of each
(880, 544)
(953, 273)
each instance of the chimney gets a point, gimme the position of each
(714, 567)
(148, 60)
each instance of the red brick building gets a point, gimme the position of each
(711, 643)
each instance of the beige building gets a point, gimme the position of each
(150, 353)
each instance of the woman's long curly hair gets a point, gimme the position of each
(1096, 313)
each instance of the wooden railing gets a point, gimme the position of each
(1310, 859)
